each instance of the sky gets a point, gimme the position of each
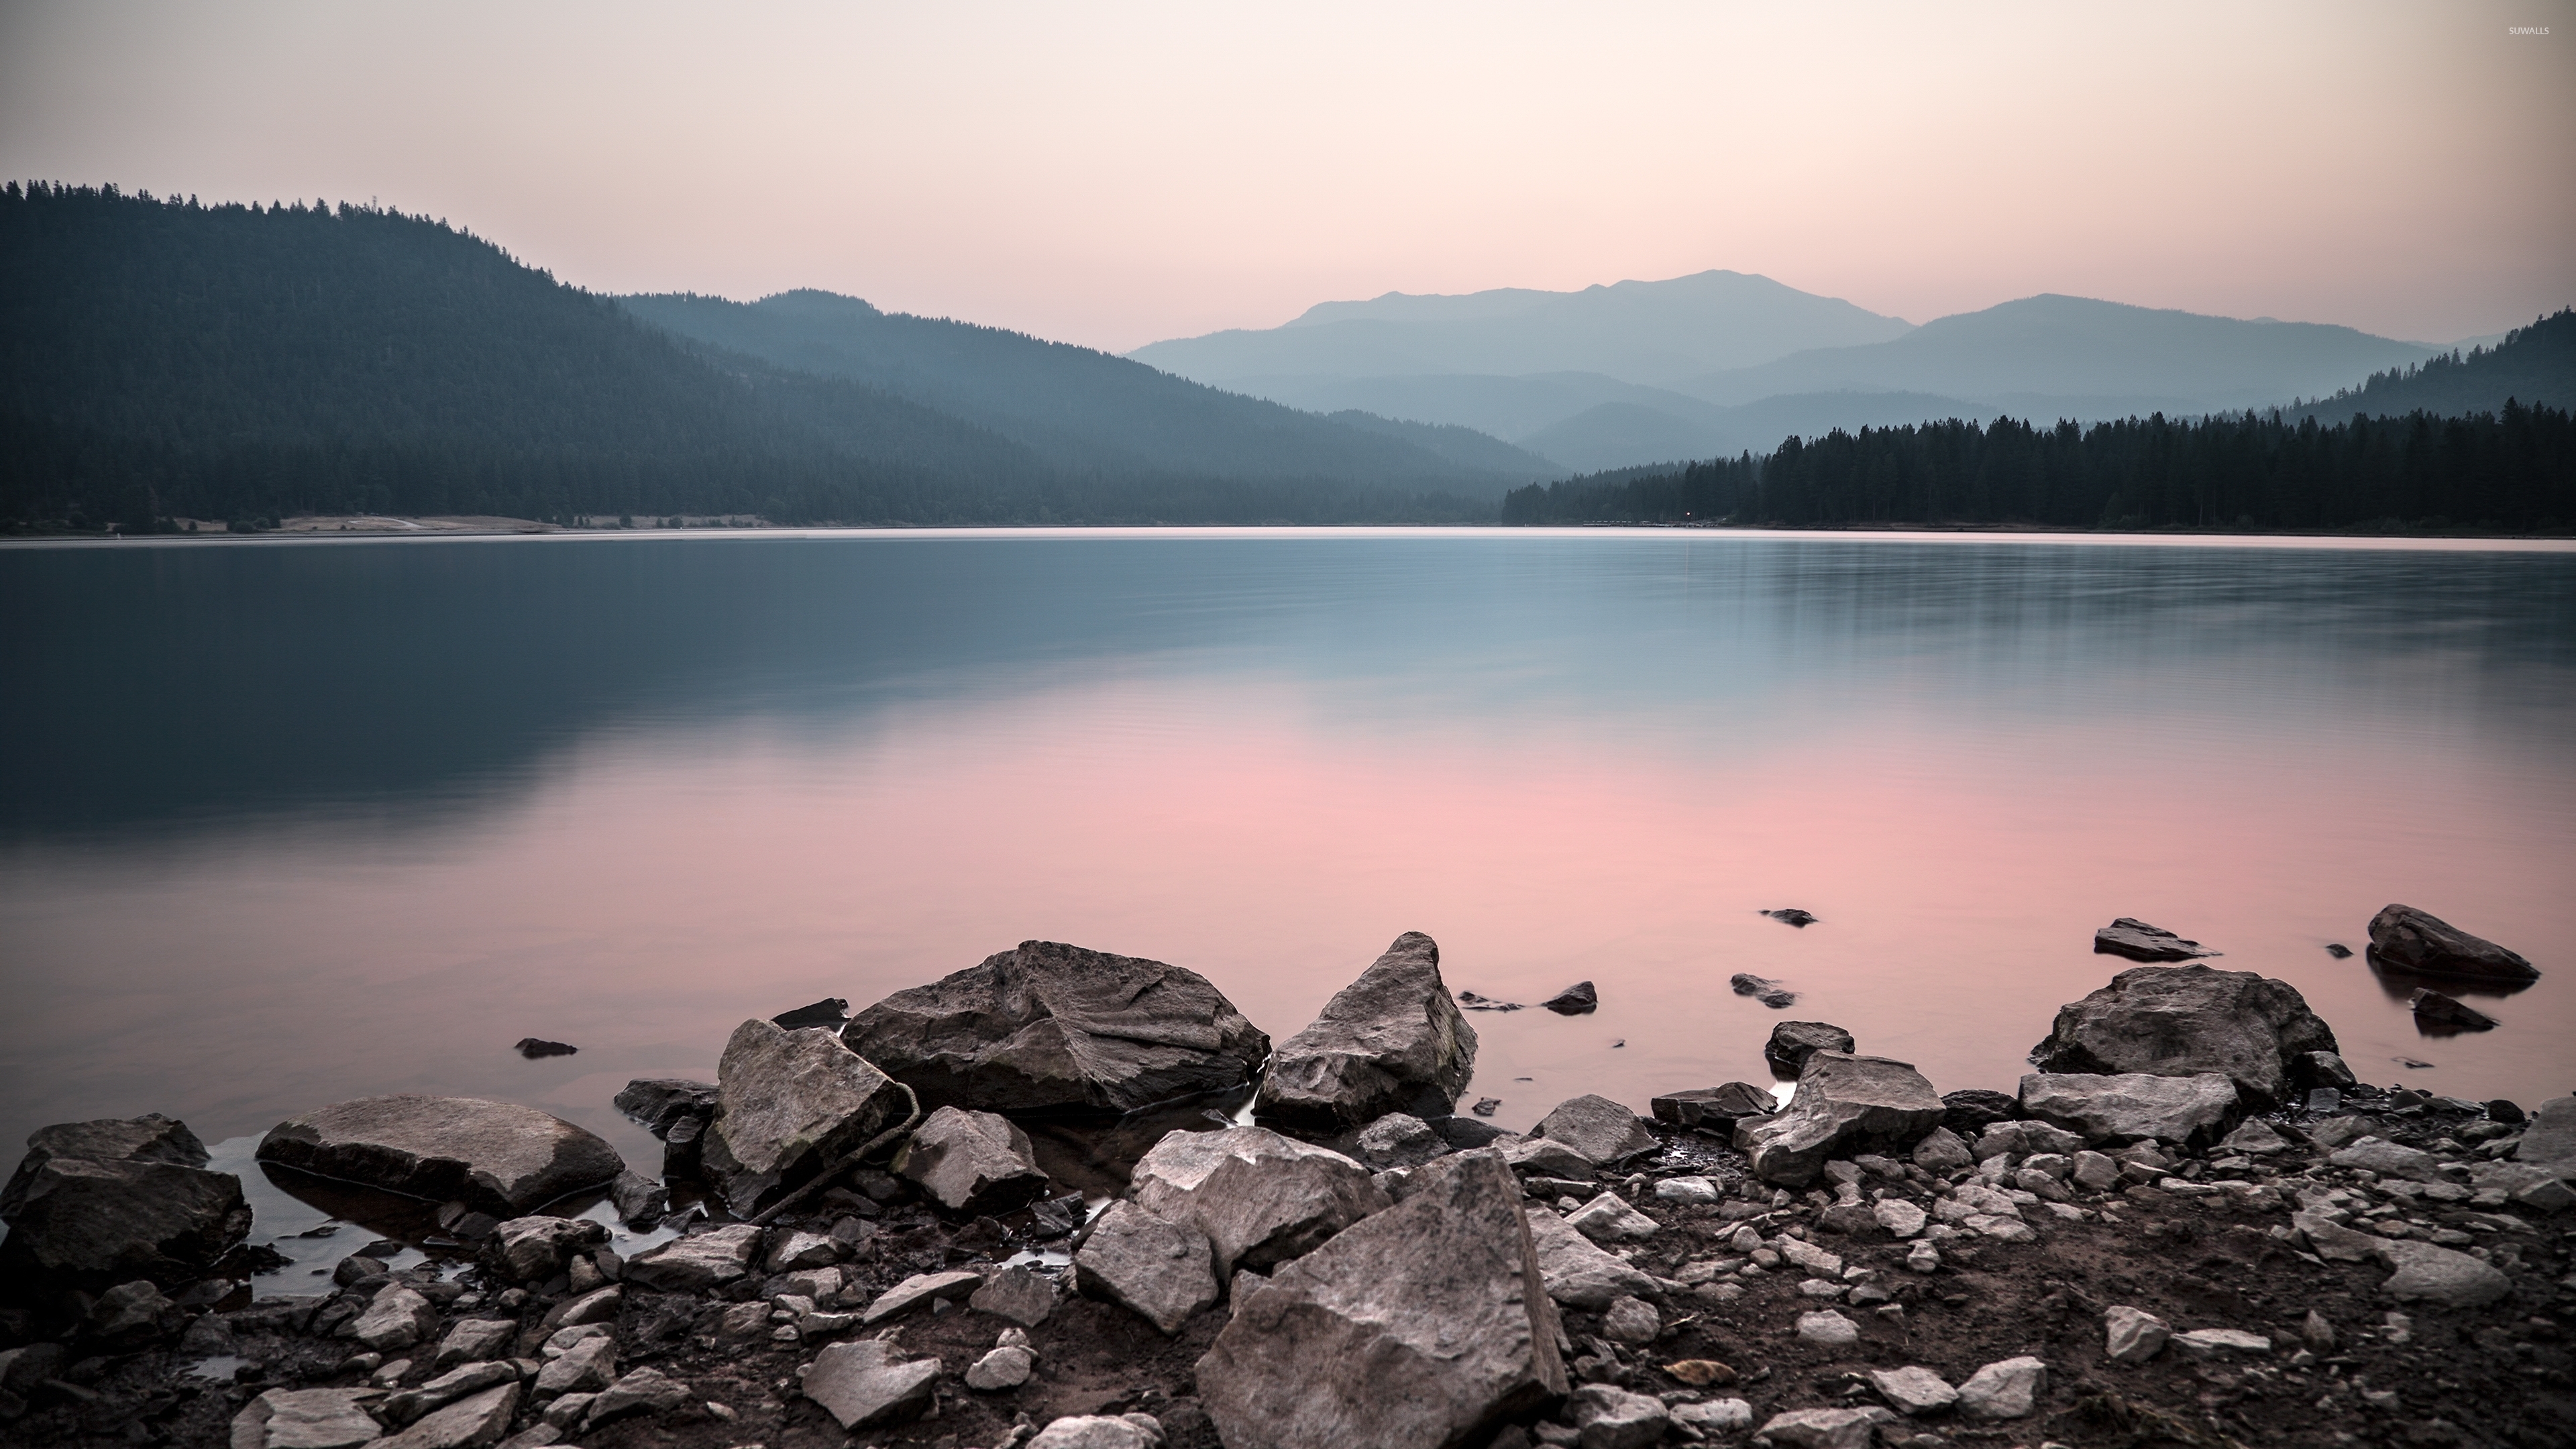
(1117, 174)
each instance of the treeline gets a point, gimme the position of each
(164, 359)
(2509, 471)
(2535, 365)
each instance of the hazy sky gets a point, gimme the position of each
(1116, 174)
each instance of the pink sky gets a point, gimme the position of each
(1115, 175)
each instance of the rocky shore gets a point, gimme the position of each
(1015, 1207)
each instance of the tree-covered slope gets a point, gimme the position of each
(2532, 365)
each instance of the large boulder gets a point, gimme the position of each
(2179, 1021)
(1260, 1198)
(972, 1162)
(2133, 1106)
(1391, 1041)
(85, 1223)
(1844, 1104)
(148, 1138)
(1605, 1132)
(495, 1157)
(1427, 1324)
(2413, 940)
(788, 1105)
(1051, 1028)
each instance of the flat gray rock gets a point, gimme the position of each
(1824, 1428)
(1162, 1270)
(495, 1157)
(1017, 1294)
(472, 1340)
(2421, 942)
(85, 1223)
(1100, 1431)
(466, 1424)
(396, 1318)
(447, 1388)
(1427, 1324)
(306, 1419)
(972, 1162)
(1259, 1198)
(1844, 1104)
(2549, 1142)
(697, 1262)
(2139, 941)
(1391, 1041)
(869, 1382)
(2132, 1335)
(2180, 1021)
(1913, 1390)
(1055, 1028)
(2133, 1106)
(148, 1138)
(2388, 1159)
(919, 1289)
(1540, 1157)
(588, 1366)
(1398, 1139)
(641, 1391)
(1605, 1132)
(2427, 1273)
(788, 1105)
(1611, 1417)
(1608, 1218)
(1577, 1272)
(2006, 1390)
(2204, 1344)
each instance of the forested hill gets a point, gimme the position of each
(162, 358)
(2534, 364)
(1083, 409)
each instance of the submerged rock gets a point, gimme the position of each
(2139, 941)
(1793, 1041)
(2177, 1021)
(1259, 1198)
(1713, 1106)
(972, 1162)
(1391, 1041)
(2432, 1008)
(660, 1103)
(1763, 989)
(2133, 1107)
(1575, 1000)
(1792, 915)
(1844, 1104)
(1048, 1027)
(1425, 1324)
(496, 1157)
(535, 1047)
(788, 1105)
(2413, 940)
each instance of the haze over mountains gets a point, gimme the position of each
(1721, 363)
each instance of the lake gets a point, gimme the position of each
(288, 822)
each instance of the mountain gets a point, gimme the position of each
(1080, 409)
(1642, 332)
(2534, 364)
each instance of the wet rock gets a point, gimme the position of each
(1577, 1000)
(788, 1105)
(496, 1157)
(1792, 915)
(1466, 1134)
(1397, 1139)
(1828, 1328)
(2205, 1344)
(1824, 1428)
(2133, 1107)
(2412, 940)
(475, 1339)
(1792, 1042)
(305, 1419)
(535, 1047)
(831, 1011)
(698, 1262)
(641, 1391)
(1610, 1417)
(1099, 1431)
(1259, 1198)
(2427, 1273)
(1006, 1367)
(1163, 1270)
(660, 1103)
(641, 1202)
(1605, 1132)
(1391, 1041)
(1423, 1324)
(148, 1138)
(466, 1424)
(919, 1289)
(2139, 941)
(1974, 1109)
(91, 1223)
(1844, 1104)
(2432, 1008)
(1763, 989)
(396, 1318)
(869, 1382)
(2339, 950)
(1015, 1293)
(1487, 1106)
(1576, 1272)
(2179, 1021)
(1913, 1390)
(535, 1248)
(1714, 1106)
(1609, 1219)
(2006, 1390)
(1048, 1027)
(2320, 1069)
(1940, 1152)
(972, 1162)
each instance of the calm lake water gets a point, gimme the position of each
(290, 822)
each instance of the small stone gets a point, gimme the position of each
(1902, 1219)
(2132, 1335)
(1099, 1431)
(641, 1391)
(1015, 1293)
(1611, 1417)
(1003, 1368)
(1609, 1219)
(1913, 1390)
(468, 1423)
(1828, 1328)
(1716, 1416)
(2095, 1171)
(1824, 1428)
(2220, 1343)
(2006, 1390)
(2316, 1332)
(1631, 1321)
(866, 1383)
(1688, 1190)
(589, 1365)
(1163, 1270)
(1923, 1258)
(919, 1289)
(396, 1319)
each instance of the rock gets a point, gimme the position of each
(1688, 1191)
(1974, 1109)
(2139, 941)
(2255, 1138)
(2320, 1069)
(1902, 1219)
(1941, 1152)
(148, 1138)
(2201, 1344)
(2006, 1390)
(2432, 1008)
(1715, 1416)
(130, 1315)
(698, 1262)
(919, 1289)
(466, 1424)
(2179, 1021)
(89, 1223)
(2549, 1143)
(1700, 1373)
(1096, 1431)
(597, 1306)
(475, 1339)
(1397, 1139)
(865, 1383)
(1609, 1219)
(788, 1105)
(1466, 1134)
(1015, 1293)
(641, 1202)
(1580, 999)
(1923, 1258)
(1163, 1270)
(535, 1248)
(2388, 1159)
(396, 1318)
(496, 1157)
(1792, 915)
(534, 1047)
(2412, 940)
(1258, 1197)
(1770, 993)
(2096, 1172)
(1003, 1368)
(2339, 950)
(1824, 1428)
(1828, 1328)
(447, 1388)
(1610, 1417)
(305, 1419)
(1391, 1041)
(1913, 1390)
(1538, 1157)
(1632, 1321)
(1054, 1028)
(2317, 1333)
(1793, 1041)
(972, 1162)
(831, 1011)
(587, 1366)
(2331, 1239)
(2134, 1106)
(1470, 1001)
(1606, 1133)
(1843, 1104)
(1487, 1106)
(1427, 1323)
(661, 1103)
(2427, 1273)
(791, 1251)
(1575, 1271)
(641, 1391)
(1714, 1106)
